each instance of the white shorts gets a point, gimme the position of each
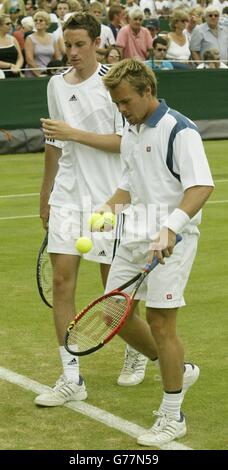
(164, 286)
(66, 226)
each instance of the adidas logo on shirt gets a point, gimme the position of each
(73, 98)
(102, 253)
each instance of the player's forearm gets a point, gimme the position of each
(52, 155)
(194, 198)
(118, 201)
(104, 142)
(60, 130)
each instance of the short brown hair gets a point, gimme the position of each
(135, 72)
(85, 21)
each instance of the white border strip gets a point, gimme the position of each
(19, 217)
(8, 196)
(91, 411)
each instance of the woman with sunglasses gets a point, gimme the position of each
(11, 59)
(40, 47)
(178, 50)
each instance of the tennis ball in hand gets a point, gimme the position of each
(96, 221)
(109, 218)
(83, 245)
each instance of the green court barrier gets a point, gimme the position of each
(200, 94)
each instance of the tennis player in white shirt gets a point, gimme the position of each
(165, 170)
(82, 168)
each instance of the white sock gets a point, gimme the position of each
(171, 404)
(70, 365)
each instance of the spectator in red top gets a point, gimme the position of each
(134, 40)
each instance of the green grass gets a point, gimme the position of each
(28, 344)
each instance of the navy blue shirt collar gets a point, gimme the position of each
(155, 117)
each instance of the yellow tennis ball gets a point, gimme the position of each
(83, 245)
(109, 218)
(93, 219)
(97, 222)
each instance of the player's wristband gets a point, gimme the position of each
(177, 221)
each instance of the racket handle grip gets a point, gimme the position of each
(150, 266)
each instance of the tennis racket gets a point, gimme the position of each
(44, 273)
(102, 319)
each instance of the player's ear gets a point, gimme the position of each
(97, 42)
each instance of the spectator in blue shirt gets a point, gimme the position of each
(157, 61)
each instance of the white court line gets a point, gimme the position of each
(8, 196)
(221, 181)
(19, 217)
(221, 201)
(91, 411)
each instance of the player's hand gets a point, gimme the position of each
(58, 130)
(162, 246)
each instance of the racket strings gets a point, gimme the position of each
(46, 277)
(98, 323)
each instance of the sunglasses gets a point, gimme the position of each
(161, 50)
(211, 15)
(38, 21)
(8, 24)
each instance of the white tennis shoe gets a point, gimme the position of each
(134, 368)
(63, 391)
(164, 430)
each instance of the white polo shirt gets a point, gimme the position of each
(84, 171)
(160, 162)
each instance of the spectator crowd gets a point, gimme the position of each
(166, 34)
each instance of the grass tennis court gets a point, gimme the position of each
(28, 344)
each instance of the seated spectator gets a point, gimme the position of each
(211, 59)
(158, 61)
(96, 9)
(10, 52)
(178, 51)
(7, 4)
(196, 16)
(223, 19)
(153, 26)
(149, 4)
(209, 35)
(14, 13)
(40, 47)
(112, 55)
(134, 40)
(116, 15)
(147, 14)
(30, 7)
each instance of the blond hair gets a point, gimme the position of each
(177, 15)
(135, 72)
(43, 15)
